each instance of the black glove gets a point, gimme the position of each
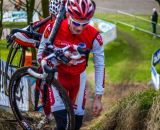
(60, 56)
(48, 48)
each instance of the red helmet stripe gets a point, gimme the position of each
(80, 9)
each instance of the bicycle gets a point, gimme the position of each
(16, 55)
(26, 119)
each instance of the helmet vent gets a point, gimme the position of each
(83, 7)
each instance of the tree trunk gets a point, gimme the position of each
(30, 8)
(1, 17)
(45, 10)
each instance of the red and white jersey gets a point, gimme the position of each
(25, 40)
(41, 28)
(88, 39)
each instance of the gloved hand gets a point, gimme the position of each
(60, 56)
(49, 45)
(49, 48)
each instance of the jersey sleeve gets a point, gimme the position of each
(44, 40)
(25, 40)
(98, 59)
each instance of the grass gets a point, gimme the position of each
(128, 58)
(131, 113)
(3, 43)
(14, 24)
(3, 50)
(135, 21)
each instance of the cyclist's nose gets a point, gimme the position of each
(79, 27)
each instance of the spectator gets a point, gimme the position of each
(154, 20)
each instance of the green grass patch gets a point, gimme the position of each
(14, 24)
(128, 58)
(3, 50)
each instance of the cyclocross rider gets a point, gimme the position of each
(75, 30)
(23, 39)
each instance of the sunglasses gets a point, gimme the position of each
(75, 23)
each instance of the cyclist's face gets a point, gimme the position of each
(77, 26)
(53, 17)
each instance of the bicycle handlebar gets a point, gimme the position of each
(60, 55)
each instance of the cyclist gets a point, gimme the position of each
(75, 30)
(31, 41)
(25, 40)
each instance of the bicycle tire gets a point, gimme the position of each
(16, 51)
(24, 121)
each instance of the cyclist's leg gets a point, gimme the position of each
(61, 119)
(78, 121)
(75, 85)
(79, 103)
(56, 106)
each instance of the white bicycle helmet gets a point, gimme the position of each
(54, 6)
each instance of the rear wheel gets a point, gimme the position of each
(21, 87)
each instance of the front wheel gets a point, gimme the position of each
(22, 97)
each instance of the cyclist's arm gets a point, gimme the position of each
(98, 57)
(43, 42)
(24, 40)
(39, 28)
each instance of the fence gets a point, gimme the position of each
(142, 23)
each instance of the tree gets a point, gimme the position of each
(27, 5)
(1, 17)
(30, 8)
(45, 10)
(158, 2)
